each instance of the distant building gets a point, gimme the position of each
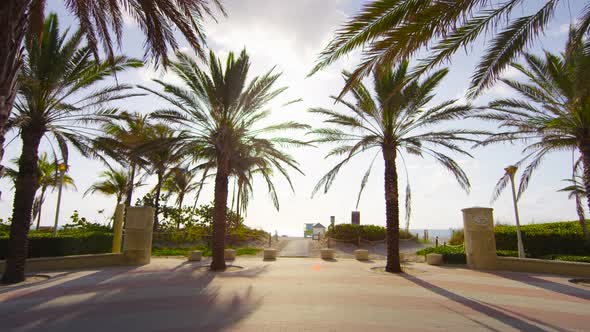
(319, 230)
(308, 230)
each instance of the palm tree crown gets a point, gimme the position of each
(393, 122)
(390, 31)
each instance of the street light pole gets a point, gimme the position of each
(511, 170)
(62, 171)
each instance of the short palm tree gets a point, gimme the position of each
(122, 137)
(54, 102)
(181, 182)
(115, 182)
(576, 190)
(220, 111)
(163, 149)
(396, 120)
(48, 178)
(102, 23)
(390, 31)
(552, 112)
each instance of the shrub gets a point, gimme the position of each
(564, 238)
(45, 245)
(457, 237)
(351, 232)
(451, 255)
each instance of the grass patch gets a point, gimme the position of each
(247, 251)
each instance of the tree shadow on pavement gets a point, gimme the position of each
(498, 315)
(133, 300)
(545, 284)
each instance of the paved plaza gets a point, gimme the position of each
(294, 294)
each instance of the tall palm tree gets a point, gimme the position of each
(122, 137)
(221, 112)
(102, 23)
(162, 149)
(394, 121)
(115, 182)
(552, 112)
(54, 102)
(389, 31)
(181, 182)
(48, 178)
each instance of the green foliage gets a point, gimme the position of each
(457, 237)
(566, 238)
(43, 244)
(81, 225)
(351, 232)
(568, 258)
(451, 255)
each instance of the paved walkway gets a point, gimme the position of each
(296, 247)
(294, 294)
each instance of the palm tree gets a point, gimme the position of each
(220, 111)
(54, 102)
(120, 142)
(553, 111)
(395, 121)
(48, 178)
(102, 23)
(162, 149)
(389, 31)
(180, 181)
(115, 183)
(576, 190)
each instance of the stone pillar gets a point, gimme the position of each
(355, 218)
(118, 228)
(137, 246)
(480, 243)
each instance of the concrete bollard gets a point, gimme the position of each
(327, 253)
(361, 254)
(195, 256)
(229, 254)
(137, 246)
(270, 254)
(480, 242)
(434, 259)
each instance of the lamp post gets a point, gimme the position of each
(511, 170)
(62, 171)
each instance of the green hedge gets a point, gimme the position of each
(351, 232)
(65, 244)
(564, 238)
(451, 255)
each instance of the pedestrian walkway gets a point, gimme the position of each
(296, 247)
(294, 294)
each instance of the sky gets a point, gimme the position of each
(290, 35)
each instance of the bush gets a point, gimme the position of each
(451, 255)
(45, 245)
(457, 237)
(351, 232)
(564, 238)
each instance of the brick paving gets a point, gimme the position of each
(294, 294)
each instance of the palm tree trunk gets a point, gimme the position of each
(24, 195)
(13, 15)
(180, 199)
(237, 223)
(584, 147)
(41, 200)
(219, 218)
(157, 200)
(131, 186)
(391, 210)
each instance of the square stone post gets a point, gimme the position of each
(137, 246)
(480, 242)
